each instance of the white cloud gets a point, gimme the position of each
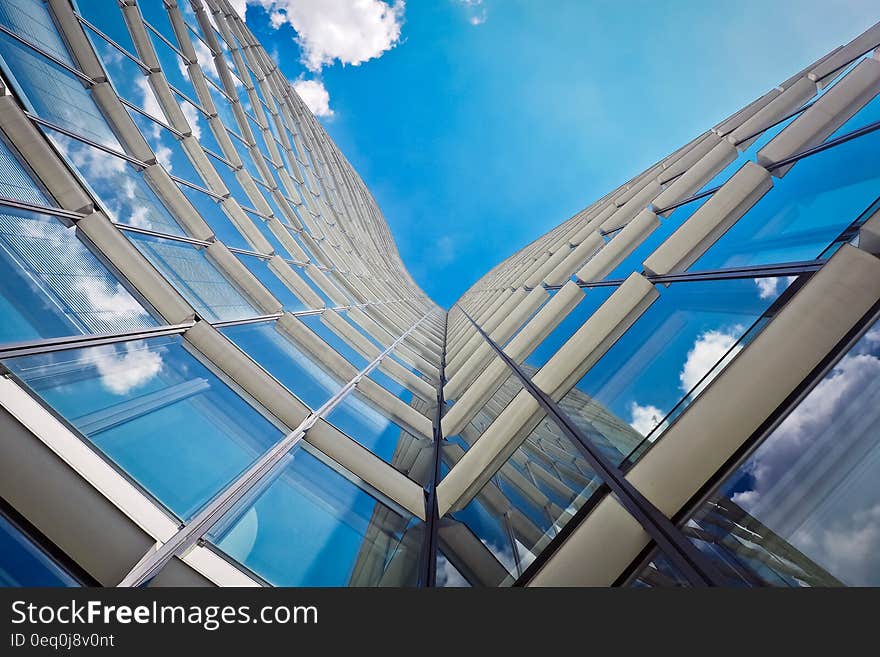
(709, 348)
(314, 95)
(476, 11)
(240, 7)
(444, 250)
(193, 116)
(126, 369)
(348, 31)
(645, 418)
(150, 104)
(770, 288)
(163, 157)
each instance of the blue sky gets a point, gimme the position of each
(480, 125)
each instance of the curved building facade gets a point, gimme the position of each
(217, 370)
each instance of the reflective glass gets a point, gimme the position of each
(24, 563)
(328, 335)
(260, 268)
(659, 573)
(157, 412)
(308, 525)
(51, 285)
(527, 502)
(803, 508)
(16, 180)
(192, 273)
(54, 93)
(298, 371)
(663, 357)
(370, 426)
(122, 191)
(805, 211)
(594, 298)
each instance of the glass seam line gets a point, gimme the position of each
(190, 533)
(684, 554)
(30, 347)
(428, 561)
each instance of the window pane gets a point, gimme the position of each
(294, 368)
(260, 268)
(157, 412)
(310, 526)
(190, 271)
(51, 285)
(805, 210)
(54, 93)
(370, 426)
(665, 357)
(803, 509)
(528, 501)
(24, 563)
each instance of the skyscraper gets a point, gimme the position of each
(217, 370)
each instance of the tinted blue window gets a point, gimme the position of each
(23, 563)
(156, 411)
(291, 366)
(51, 285)
(310, 526)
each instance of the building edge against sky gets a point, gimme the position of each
(217, 370)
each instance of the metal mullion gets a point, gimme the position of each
(428, 558)
(69, 133)
(196, 187)
(684, 554)
(113, 43)
(32, 347)
(249, 320)
(52, 58)
(193, 531)
(165, 236)
(130, 105)
(732, 273)
(41, 209)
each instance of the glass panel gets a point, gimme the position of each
(304, 377)
(54, 94)
(424, 406)
(328, 335)
(308, 525)
(51, 285)
(664, 357)
(260, 268)
(24, 563)
(16, 180)
(659, 572)
(805, 210)
(157, 412)
(448, 576)
(190, 271)
(31, 20)
(370, 426)
(507, 388)
(110, 22)
(803, 509)
(122, 192)
(594, 298)
(527, 502)
(221, 225)
(634, 261)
